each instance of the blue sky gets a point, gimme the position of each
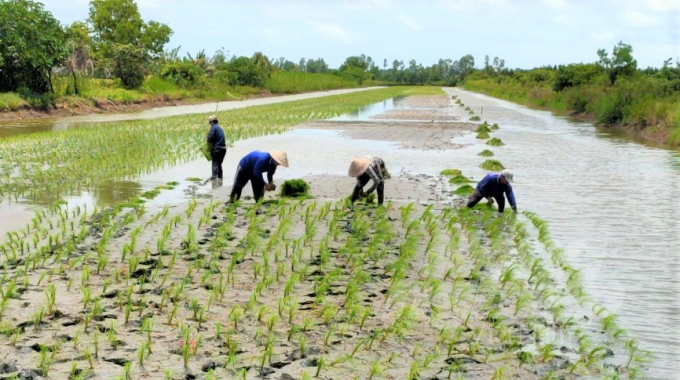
(526, 33)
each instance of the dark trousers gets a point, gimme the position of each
(477, 196)
(363, 180)
(240, 180)
(217, 156)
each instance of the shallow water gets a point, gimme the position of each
(611, 203)
(25, 126)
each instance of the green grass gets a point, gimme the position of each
(10, 101)
(483, 128)
(485, 153)
(483, 135)
(492, 165)
(475, 118)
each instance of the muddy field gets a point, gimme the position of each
(290, 289)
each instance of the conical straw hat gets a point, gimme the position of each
(280, 157)
(358, 166)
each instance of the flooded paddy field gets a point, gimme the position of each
(422, 288)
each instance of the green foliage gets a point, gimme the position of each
(291, 82)
(118, 22)
(483, 135)
(294, 188)
(10, 101)
(123, 41)
(492, 165)
(483, 128)
(182, 73)
(32, 43)
(495, 142)
(129, 65)
(485, 153)
(247, 72)
(475, 118)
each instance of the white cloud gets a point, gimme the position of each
(331, 31)
(639, 19)
(409, 22)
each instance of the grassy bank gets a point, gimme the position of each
(94, 92)
(643, 105)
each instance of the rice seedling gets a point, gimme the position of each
(492, 165)
(482, 135)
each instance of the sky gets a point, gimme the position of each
(525, 33)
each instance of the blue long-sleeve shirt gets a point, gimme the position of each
(490, 186)
(216, 137)
(257, 163)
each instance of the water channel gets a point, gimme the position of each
(611, 203)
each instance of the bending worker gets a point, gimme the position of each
(252, 167)
(368, 168)
(218, 147)
(494, 186)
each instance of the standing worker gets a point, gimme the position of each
(218, 147)
(252, 168)
(368, 168)
(494, 186)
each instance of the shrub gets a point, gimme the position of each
(182, 73)
(294, 188)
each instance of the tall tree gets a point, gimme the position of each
(117, 23)
(32, 43)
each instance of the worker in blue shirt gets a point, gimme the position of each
(252, 167)
(218, 147)
(495, 186)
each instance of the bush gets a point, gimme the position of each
(182, 73)
(10, 101)
(294, 188)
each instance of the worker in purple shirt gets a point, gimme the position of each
(252, 168)
(495, 186)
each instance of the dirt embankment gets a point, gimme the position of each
(82, 106)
